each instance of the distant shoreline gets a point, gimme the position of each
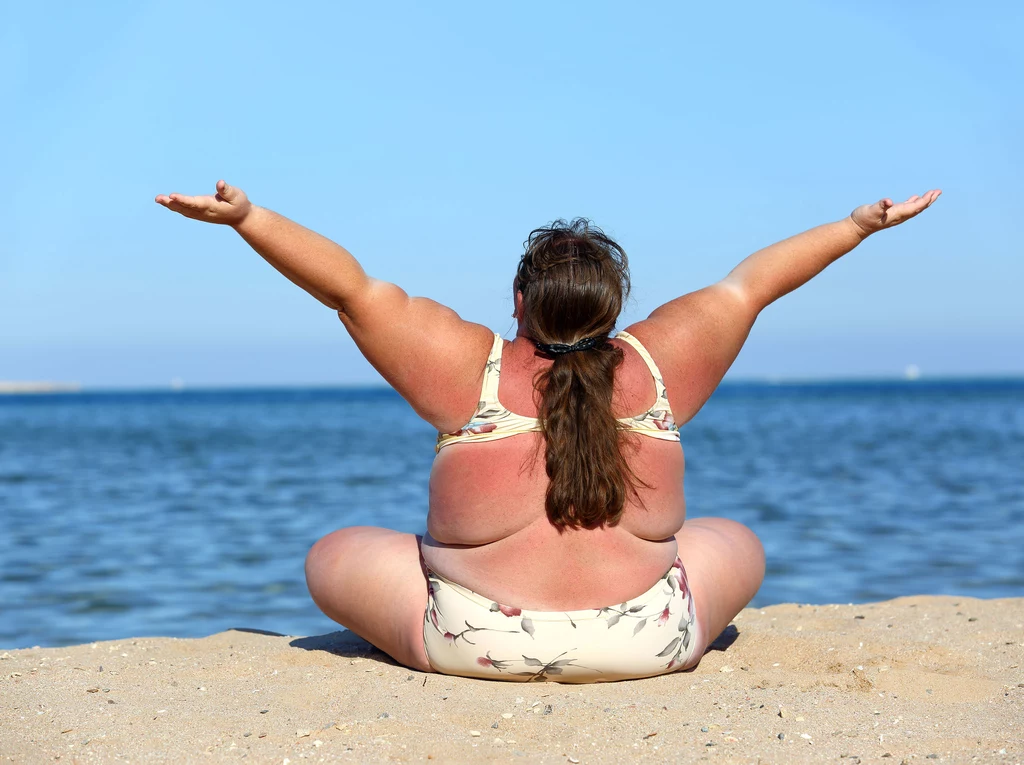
(32, 386)
(1010, 381)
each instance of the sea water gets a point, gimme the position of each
(189, 512)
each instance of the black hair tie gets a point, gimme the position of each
(557, 349)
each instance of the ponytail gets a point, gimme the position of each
(574, 279)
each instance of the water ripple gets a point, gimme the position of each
(187, 513)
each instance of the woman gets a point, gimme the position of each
(555, 545)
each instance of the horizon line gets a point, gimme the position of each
(180, 386)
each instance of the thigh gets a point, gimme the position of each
(371, 581)
(724, 563)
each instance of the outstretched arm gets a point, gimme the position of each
(700, 334)
(324, 269)
(432, 357)
(770, 273)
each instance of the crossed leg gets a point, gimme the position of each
(724, 563)
(371, 580)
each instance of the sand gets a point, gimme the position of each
(918, 678)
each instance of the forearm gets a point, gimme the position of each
(770, 273)
(323, 268)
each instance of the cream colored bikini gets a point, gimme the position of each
(493, 421)
(465, 633)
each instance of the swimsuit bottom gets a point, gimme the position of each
(467, 634)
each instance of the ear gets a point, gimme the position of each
(518, 311)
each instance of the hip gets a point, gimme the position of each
(465, 633)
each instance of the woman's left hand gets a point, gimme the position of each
(886, 214)
(229, 206)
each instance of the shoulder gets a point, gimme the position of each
(694, 339)
(425, 350)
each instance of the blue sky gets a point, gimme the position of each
(430, 140)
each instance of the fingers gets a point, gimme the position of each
(227, 193)
(199, 208)
(167, 200)
(882, 216)
(914, 205)
(924, 199)
(186, 201)
(176, 206)
(171, 201)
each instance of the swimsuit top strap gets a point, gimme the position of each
(646, 356)
(492, 372)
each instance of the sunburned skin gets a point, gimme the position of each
(487, 528)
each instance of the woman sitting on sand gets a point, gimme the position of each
(556, 546)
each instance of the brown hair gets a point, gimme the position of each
(574, 279)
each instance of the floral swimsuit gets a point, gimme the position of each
(467, 634)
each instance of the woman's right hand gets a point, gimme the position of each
(885, 214)
(229, 206)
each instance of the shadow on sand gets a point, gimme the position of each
(723, 641)
(350, 645)
(342, 643)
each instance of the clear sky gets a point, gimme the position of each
(430, 138)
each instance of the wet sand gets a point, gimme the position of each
(918, 678)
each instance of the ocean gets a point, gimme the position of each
(184, 513)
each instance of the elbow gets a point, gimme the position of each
(743, 296)
(328, 300)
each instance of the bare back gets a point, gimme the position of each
(487, 526)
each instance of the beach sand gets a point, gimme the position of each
(918, 678)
